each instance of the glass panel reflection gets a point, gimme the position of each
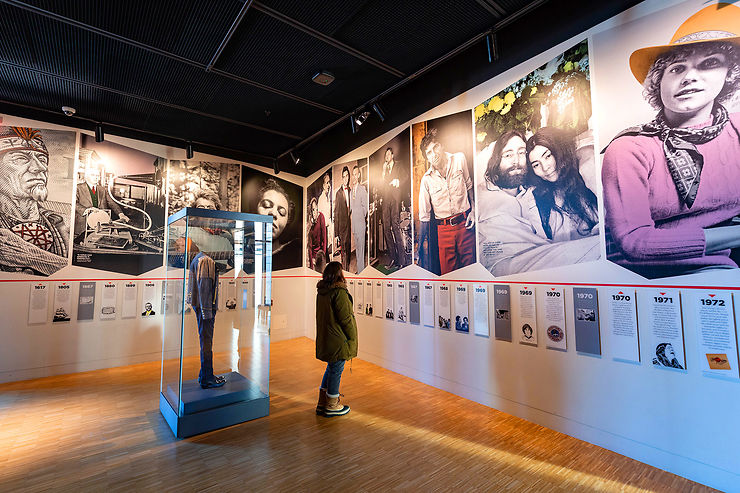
(215, 351)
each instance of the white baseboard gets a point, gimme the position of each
(63, 369)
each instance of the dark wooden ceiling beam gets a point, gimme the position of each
(149, 100)
(326, 39)
(163, 53)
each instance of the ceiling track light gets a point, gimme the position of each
(276, 166)
(379, 111)
(296, 160)
(189, 150)
(492, 46)
(361, 117)
(352, 123)
(99, 135)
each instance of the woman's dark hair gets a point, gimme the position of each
(578, 200)
(320, 261)
(494, 162)
(332, 273)
(651, 86)
(272, 184)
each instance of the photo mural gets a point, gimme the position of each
(265, 194)
(320, 225)
(444, 209)
(203, 184)
(535, 170)
(36, 180)
(350, 212)
(670, 168)
(390, 218)
(119, 208)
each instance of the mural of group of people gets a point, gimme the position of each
(337, 212)
(104, 204)
(513, 184)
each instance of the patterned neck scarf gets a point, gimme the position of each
(685, 162)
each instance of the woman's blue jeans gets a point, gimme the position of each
(332, 376)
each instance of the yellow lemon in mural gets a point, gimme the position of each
(506, 109)
(533, 91)
(568, 67)
(509, 98)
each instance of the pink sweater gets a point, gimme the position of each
(653, 233)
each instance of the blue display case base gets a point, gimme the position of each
(205, 410)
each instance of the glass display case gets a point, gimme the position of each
(216, 333)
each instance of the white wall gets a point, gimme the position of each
(681, 421)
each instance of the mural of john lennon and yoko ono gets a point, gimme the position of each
(390, 216)
(668, 104)
(337, 212)
(535, 168)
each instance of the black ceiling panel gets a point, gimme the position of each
(22, 87)
(244, 103)
(326, 16)
(510, 6)
(71, 52)
(409, 35)
(271, 52)
(200, 129)
(191, 29)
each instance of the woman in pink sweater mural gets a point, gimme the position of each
(672, 186)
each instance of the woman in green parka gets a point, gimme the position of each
(336, 336)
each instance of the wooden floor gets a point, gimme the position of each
(102, 431)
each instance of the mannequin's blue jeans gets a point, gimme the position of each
(332, 376)
(205, 332)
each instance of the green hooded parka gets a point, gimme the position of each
(336, 328)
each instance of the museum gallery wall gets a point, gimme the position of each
(560, 242)
(570, 237)
(82, 228)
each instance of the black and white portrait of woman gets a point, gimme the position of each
(283, 200)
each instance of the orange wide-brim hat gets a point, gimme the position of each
(718, 22)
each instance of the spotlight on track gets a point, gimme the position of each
(361, 117)
(275, 166)
(189, 150)
(99, 134)
(492, 46)
(379, 111)
(296, 160)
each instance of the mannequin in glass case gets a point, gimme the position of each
(203, 296)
